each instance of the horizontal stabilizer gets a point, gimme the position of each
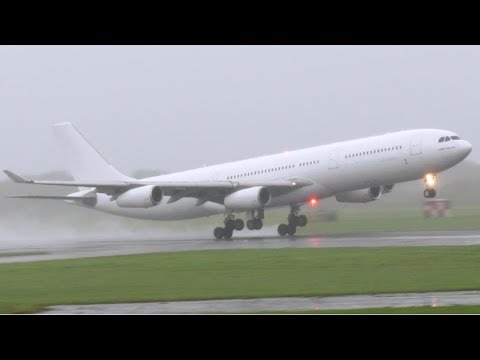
(15, 178)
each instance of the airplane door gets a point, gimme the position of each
(333, 160)
(416, 144)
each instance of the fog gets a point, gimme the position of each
(178, 107)
(168, 108)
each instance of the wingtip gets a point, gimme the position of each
(14, 177)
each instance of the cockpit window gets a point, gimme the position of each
(454, 138)
(447, 139)
(442, 139)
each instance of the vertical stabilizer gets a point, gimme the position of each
(82, 160)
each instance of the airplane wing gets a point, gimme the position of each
(202, 190)
(47, 197)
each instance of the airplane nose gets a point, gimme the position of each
(466, 148)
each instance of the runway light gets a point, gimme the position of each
(430, 179)
(313, 201)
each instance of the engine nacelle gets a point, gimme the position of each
(360, 196)
(141, 197)
(248, 199)
(387, 188)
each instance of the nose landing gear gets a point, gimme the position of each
(430, 180)
(429, 193)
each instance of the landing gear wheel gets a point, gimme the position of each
(302, 220)
(239, 224)
(218, 233)
(291, 229)
(293, 219)
(230, 224)
(258, 224)
(250, 225)
(282, 229)
(227, 234)
(429, 193)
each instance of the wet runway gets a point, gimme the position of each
(277, 304)
(91, 247)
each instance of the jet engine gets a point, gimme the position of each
(140, 197)
(248, 199)
(387, 188)
(360, 196)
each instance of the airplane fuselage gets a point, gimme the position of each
(333, 169)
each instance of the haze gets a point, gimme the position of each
(177, 107)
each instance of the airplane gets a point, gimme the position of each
(355, 171)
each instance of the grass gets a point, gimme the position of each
(27, 287)
(456, 309)
(355, 221)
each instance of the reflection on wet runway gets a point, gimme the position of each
(170, 243)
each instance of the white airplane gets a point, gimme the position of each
(356, 171)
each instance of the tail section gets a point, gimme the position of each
(82, 160)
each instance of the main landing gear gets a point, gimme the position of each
(429, 180)
(231, 224)
(294, 220)
(256, 222)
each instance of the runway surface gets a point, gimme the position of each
(91, 247)
(277, 304)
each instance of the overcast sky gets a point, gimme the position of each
(179, 107)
